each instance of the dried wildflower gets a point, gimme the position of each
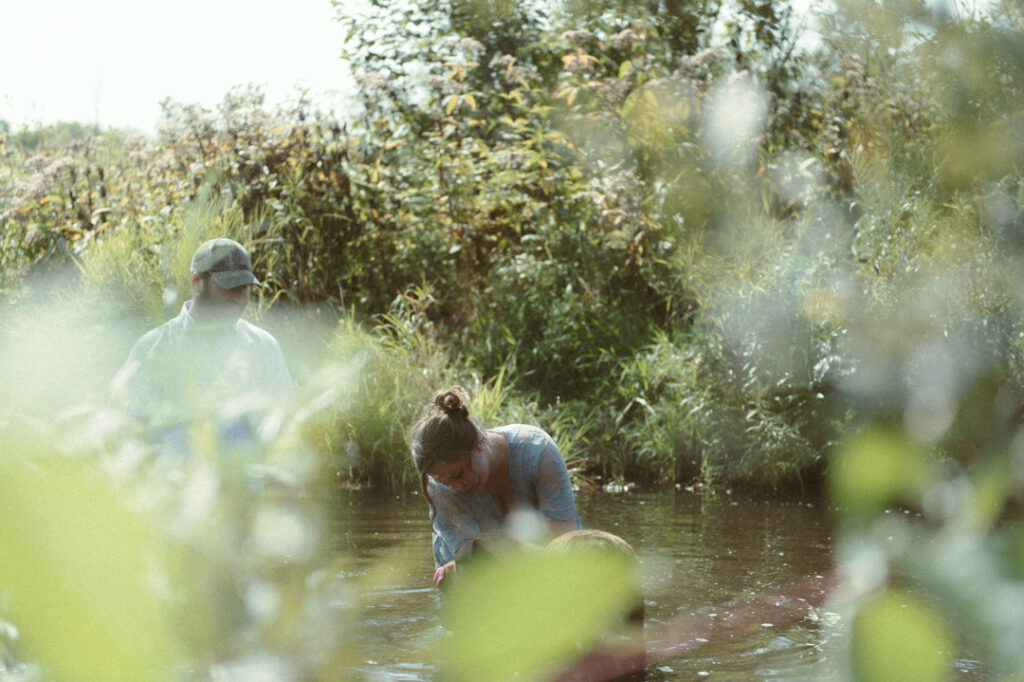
(32, 188)
(614, 90)
(502, 61)
(135, 141)
(59, 165)
(513, 74)
(519, 75)
(139, 149)
(446, 86)
(702, 59)
(707, 56)
(372, 79)
(37, 162)
(141, 155)
(619, 184)
(471, 45)
(33, 236)
(624, 39)
(853, 61)
(578, 36)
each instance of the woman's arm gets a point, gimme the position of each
(554, 491)
(453, 525)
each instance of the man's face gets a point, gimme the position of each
(217, 304)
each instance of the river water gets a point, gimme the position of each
(697, 553)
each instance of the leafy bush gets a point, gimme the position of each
(559, 185)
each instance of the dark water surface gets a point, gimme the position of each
(696, 554)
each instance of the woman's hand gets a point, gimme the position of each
(443, 572)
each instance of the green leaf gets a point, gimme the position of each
(627, 106)
(529, 613)
(75, 567)
(878, 468)
(897, 636)
(991, 484)
(624, 68)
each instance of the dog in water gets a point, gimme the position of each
(610, 650)
(593, 540)
(493, 544)
(599, 649)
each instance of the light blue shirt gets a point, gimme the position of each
(540, 482)
(180, 370)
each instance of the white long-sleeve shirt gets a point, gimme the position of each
(181, 370)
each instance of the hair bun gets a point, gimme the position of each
(449, 401)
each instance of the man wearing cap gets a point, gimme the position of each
(207, 361)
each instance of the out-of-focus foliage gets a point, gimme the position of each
(135, 553)
(126, 561)
(544, 609)
(928, 484)
(93, 617)
(691, 246)
(895, 634)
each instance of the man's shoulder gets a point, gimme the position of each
(168, 330)
(259, 334)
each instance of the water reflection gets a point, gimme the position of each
(695, 555)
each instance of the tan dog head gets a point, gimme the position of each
(591, 539)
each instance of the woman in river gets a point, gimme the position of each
(473, 479)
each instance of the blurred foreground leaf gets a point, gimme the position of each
(528, 613)
(899, 637)
(78, 569)
(878, 468)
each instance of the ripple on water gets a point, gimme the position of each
(695, 555)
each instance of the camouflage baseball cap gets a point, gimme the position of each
(226, 261)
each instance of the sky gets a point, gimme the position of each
(111, 62)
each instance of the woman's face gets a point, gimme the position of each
(466, 475)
